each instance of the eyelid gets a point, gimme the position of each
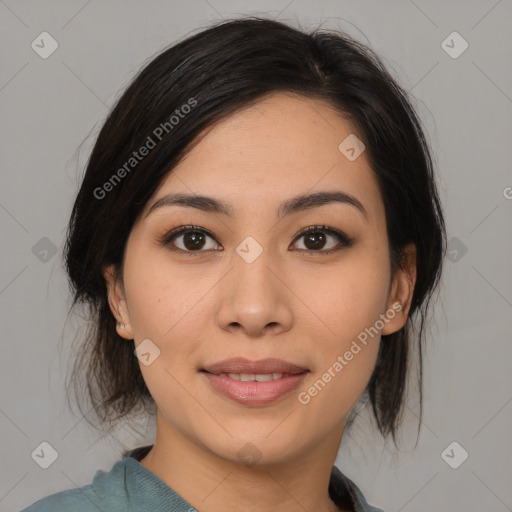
(168, 237)
(345, 240)
(322, 227)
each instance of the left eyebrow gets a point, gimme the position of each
(288, 207)
(305, 202)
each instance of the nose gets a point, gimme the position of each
(254, 298)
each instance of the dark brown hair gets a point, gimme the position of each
(223, 69)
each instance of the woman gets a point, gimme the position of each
(256, 230)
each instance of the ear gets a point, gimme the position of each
(117, 302)
(401, 291)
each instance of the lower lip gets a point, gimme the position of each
(254, 392)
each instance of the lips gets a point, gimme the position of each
(240, 365)
(254, 383)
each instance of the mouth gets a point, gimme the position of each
(254, 383)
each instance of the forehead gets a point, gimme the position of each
(281, 146)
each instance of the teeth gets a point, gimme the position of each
(248, 377)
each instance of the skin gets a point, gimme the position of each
(300, 306)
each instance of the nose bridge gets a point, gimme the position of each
(251, 271)
(253, 297)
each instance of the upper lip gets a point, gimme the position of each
(242, 365)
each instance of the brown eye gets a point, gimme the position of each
(189, 239)
(193, 240)
(317, 237)
(315, 240)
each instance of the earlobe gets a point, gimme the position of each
(402, 289)
(117, 302)
(123, 330)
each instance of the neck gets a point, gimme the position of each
(208, 481)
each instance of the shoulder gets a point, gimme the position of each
(106, 492)
(82, 499)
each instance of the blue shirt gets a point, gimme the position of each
(129, 486)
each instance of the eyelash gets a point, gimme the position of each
(343, 239)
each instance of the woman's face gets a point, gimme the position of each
(268, 291)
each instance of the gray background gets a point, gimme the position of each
(49, 106)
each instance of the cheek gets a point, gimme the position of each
(346, 355)
(348, 303)
(162, 299)
(163, 308)
(348, 297)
